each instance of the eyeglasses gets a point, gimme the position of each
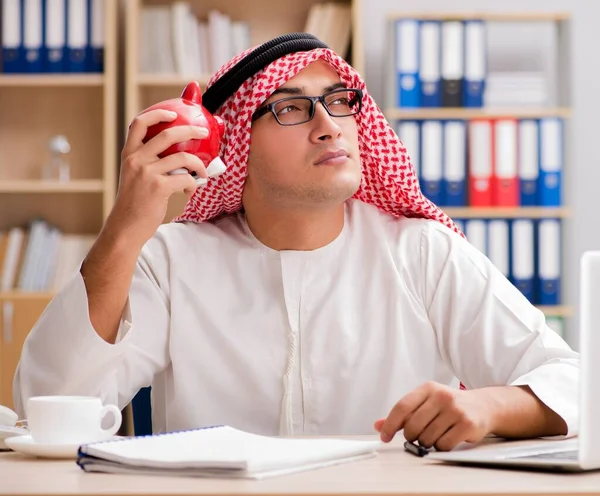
(295, 110)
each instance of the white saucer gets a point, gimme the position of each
(7, 431)
(26, 445)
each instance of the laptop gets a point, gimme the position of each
(578, 454)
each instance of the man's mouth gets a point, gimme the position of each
(332, 158)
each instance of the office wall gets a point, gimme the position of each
(533, 50)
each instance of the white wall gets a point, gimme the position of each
(533, 46)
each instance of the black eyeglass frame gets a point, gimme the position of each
(270, 107)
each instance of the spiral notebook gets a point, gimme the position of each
(220, 451)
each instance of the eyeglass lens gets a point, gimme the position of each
(340, 103)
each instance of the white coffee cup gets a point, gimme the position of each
(70, 419)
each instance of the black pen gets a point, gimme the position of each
(415, 449)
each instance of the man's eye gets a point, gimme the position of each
(287, 109)
(341, 101)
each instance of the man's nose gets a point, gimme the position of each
(325, 126)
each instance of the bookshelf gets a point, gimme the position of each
(265, 19)
(33, 108)
(507, 212)
(37, 186)
(51, 80)
(168, 80)
(475, 113)
(560, 311)
(532, 16)
(559, 108)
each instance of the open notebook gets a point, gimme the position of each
(220, 451)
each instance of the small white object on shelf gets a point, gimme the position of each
(58, 168)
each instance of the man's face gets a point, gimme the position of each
(285, 166)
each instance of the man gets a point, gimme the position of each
(310, 289)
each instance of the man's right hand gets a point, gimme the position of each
(144, 184)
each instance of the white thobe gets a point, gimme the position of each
(229, 331)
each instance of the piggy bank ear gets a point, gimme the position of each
(192, 92)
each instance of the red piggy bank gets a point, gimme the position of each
(189, 110)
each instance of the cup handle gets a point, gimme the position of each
(118, 418)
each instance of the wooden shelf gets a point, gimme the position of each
(485, 16)
(40, 186)
(474, 113)
(506, 212)
(556, 311)
(170, 80)
(84, 108)
(41, 80)
(26, 295)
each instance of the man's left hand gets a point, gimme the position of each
(439, 416)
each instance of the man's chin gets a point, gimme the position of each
(348, 180)
(341, 188)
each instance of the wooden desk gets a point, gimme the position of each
(392, 472)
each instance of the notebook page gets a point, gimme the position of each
(227, 448)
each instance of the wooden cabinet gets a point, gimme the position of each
(34, 107)
(18, 314)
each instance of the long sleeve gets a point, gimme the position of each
(63, 354)
(488, 331)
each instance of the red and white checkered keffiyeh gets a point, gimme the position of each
(388, 178)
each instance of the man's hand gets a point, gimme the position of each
(444, 417)
(145, 185)
(439, 416)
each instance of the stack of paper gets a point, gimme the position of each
(516, 88)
